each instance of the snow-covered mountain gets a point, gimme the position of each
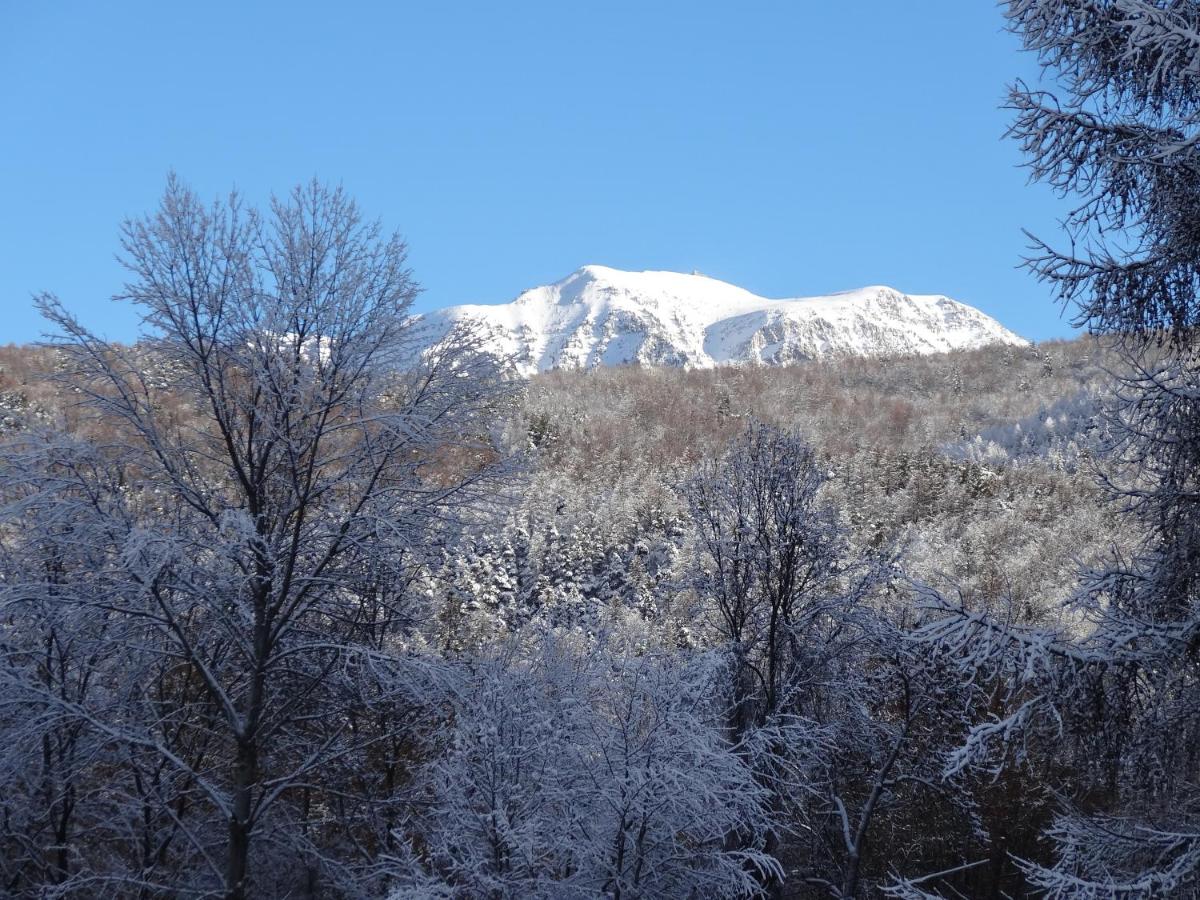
(601, 316)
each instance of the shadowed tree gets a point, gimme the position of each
(1118, 691)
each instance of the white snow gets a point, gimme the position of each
(604, 316)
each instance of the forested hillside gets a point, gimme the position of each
(977, 463)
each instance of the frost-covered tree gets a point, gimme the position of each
(1119, 682)
(1122, 135)
(55, 657)
(284, 456)
(798, 613)
(771, 556)
(584, 770)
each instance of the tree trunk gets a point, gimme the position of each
(239, 821)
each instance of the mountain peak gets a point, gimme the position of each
(599, 315)
(652, 279)
(592, 270)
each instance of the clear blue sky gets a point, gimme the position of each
(791, 148)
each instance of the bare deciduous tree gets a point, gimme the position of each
(284, 455)
(588, 771)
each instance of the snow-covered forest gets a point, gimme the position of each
(288, 609)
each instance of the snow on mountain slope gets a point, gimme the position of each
(601, 316)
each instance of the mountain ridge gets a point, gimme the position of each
(598, 316)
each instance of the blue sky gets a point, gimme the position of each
(791, 148)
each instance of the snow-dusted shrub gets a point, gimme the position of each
(584, 771)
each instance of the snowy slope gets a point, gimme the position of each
(601, 316)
